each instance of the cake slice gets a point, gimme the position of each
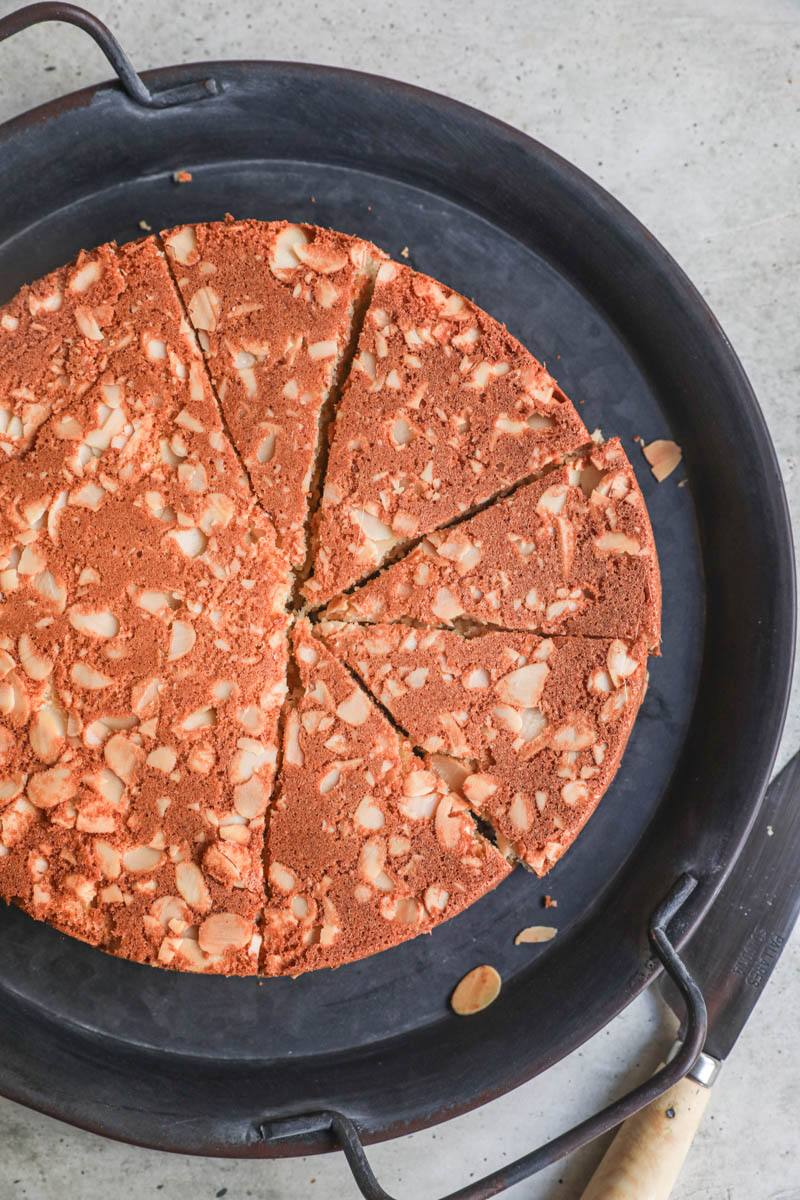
(274, 305)
(366, 848)
(571, 553)
(442, 410)
(530, 730)
(142, 652)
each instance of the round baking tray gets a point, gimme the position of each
(195, 1064)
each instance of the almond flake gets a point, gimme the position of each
(663, 456)
(476, 991)
(534, 934)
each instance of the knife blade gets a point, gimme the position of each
(738, 943)
(731, 956)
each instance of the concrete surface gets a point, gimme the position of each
(688, 113)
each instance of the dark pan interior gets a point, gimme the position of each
(124, 1049)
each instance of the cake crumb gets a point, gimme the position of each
(143, 225)
(181, 176)
(549, 902)
(404, 252)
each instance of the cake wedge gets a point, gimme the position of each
(274, 306)
(571, 553)
(142, 650)
(366, 847)
(529, 730)
(442, 410)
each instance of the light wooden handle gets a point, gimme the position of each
(646, 1156)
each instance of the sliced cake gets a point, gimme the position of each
(571, 553)
(442, 410)
(531, 730)
(143, 652)
(273, 305)
(366, 847)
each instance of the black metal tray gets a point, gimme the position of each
(197, 1064)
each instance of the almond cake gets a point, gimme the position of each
(319, 608)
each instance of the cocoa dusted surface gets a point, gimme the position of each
(571, 553)
(443, 409)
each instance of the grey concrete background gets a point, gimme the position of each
(689, 113)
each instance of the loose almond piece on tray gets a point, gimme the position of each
(535, 934)
(366, 847)
(443, 409)
(273, 305)
(530, 730)
(476, 991)
(571, 553)
(143, 649)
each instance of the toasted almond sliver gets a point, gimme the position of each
(476, 991)
(663, 456)
(535, 933)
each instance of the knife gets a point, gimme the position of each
(732, 955)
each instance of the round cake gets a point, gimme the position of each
(320, 609)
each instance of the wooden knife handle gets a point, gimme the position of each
(645, 1158)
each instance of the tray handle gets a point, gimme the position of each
(35, 14)
(346, 1133)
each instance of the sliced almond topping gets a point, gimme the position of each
(368, 815)
(204, 308)
(282, 878)
(141, 858)
(356, 709)
(108, 859)
(283, 256)
(182, 639)
(450, 823)
(35, 665)
(224, 932)
(98, 623)
(324, 259)
(163, 758)
(124, 757)
(85, 676)
(182, 246)
(292, 752)
(46, 789)
(620, 664)
(617, 542)
(524, 686)
(192, 886)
